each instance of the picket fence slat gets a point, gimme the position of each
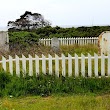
(56, 65)
(83, 65)
(96, 64)
(50, 64)
(89, 65)
(69, 65)
(102, 65)
(71, 41)
(86, 66)
(63, 65)
(76, 66)
(37, 64)
(4, 63)
(17, 66)
(23, 64)
(30, 65)
(43, 64)
(10, 65)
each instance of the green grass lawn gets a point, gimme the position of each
(57, 102)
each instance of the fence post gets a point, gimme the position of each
(89, 65)
(50, 64)
(60, 40)
(67, 41)
(43, 64)
(37, 64)
(102, 65)
(63, 65)
(23, 64)
(96, 64)
(63, 43)
(83, 65)
(74, 40)
(17, 66)
(57, 65)
(81, 40)
(4, 63)
(69, 65)
(10, 65)
(76, 66)
(49, 41)
(30, 65)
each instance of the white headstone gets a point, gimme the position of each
(104, 43)
(4, 41)
(55, 45)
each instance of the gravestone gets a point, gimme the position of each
(104, 43)
(55, 45)
(4, 41)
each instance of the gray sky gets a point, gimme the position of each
(59, 12)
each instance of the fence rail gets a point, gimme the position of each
(85, 66)
(72, 41)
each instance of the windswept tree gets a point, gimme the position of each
(29, 21)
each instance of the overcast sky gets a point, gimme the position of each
(59, 12)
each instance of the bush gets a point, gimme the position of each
(45, 85)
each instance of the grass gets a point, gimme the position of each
(40, 49)
(57, 102)
(50, 92)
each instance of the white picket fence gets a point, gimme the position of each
(71, 41)
(85, 66)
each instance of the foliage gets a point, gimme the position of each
(18, 37)
(93, 31)
(22, 39)
(28, 21)
(45, 85)
(25, 38)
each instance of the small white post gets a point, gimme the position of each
(102, 65)
(83, 65)
(50, 64)
(96, 64)
(63, 65)
(30, 65)
(10, 65)
(17, 66)
(83, 41)
(67, 43)
(23, 64)
(69, 65)
(60, 39)
(89, 65)
(37, 64)
(4, 63)
(57, 65)
(43, 64)
(63, 43)
(76, 66)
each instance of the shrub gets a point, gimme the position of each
(45, 85)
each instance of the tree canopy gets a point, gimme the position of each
(29, 21)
